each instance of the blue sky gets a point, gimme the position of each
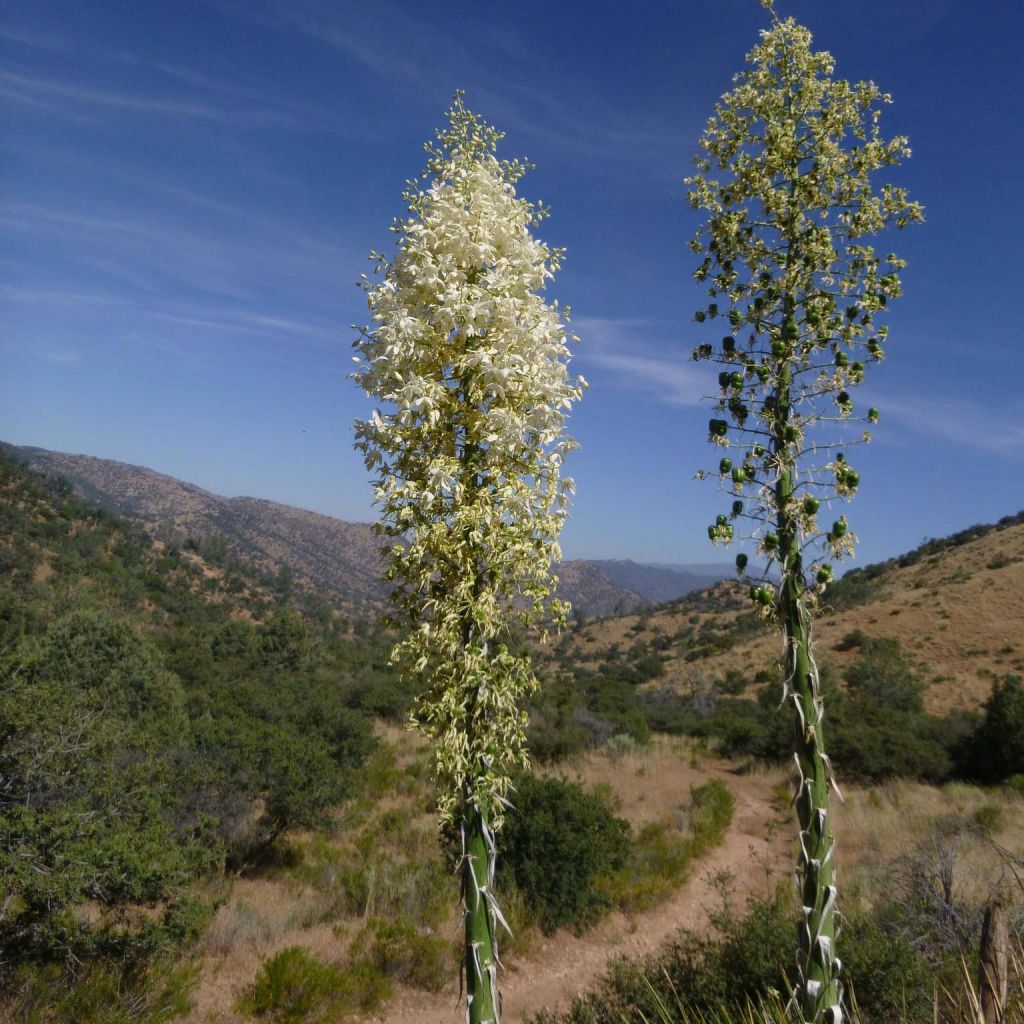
(188, 193)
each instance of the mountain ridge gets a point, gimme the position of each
(334, 555)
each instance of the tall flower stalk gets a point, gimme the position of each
(785, 176)
(471, 365)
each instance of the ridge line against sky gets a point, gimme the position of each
(187, 202)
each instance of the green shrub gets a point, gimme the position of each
(293, 986)
(996, 751)
(660, 856)
(556, 843)
(99, 993)
(749, 962)
(711, 809)
(883, 675)
(401, 952)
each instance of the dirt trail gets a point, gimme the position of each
(565, 965)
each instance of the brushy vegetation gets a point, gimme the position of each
(189, 719)
(152, 732)
(573, 859)
(743, 973)
(294, 987)
(878, 726)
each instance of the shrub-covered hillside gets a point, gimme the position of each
(160, 719)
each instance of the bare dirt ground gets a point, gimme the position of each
(649, 785)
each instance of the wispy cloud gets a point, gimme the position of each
(35, 90)
(962, 422)
(416, 56)
(239, 260)
(629, 350)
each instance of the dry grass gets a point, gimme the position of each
(960, 614)
(876, 828)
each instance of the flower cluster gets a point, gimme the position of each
(785, 176)
(470, 364)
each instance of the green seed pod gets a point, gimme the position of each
(824, 574)
(736, 379)
(757, 451)
(842, 359)
(718, 428)
(737, 508)
(872, 415)
(852, 312)
(739, 475)
(852, 479)
(791, 434)
(811, 505)
(724, 378)
(712, 310)
(844, 399)
(721, 520)
(724, 466)
(839, 528)
(790, 331)
(771, 541)
(741, 562)
(779, 348)
(729, 343)
(735, 317)
(762, 373)
(840, 457)
(700, 316)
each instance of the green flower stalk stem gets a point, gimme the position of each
(481, 916)
(820, 987)
(470, 365)
(785, 178)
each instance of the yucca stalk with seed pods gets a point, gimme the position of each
(471, 364)
(785, 176)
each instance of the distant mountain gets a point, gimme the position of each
(593, 594)
(661, 583)
(339, 557)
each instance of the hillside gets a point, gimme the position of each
(331, 554)
(338, 557)
(956, 607)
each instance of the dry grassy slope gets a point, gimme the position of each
(959, 613)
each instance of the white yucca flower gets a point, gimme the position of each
(470, 365)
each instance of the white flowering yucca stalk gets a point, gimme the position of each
(471, 365)
(785, 177)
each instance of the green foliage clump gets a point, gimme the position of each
(996, 751)
(749, 961)
(293, 986)
(555, 845)
(877, 726)
(401, 952)
(662, 853)
(107, 992)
